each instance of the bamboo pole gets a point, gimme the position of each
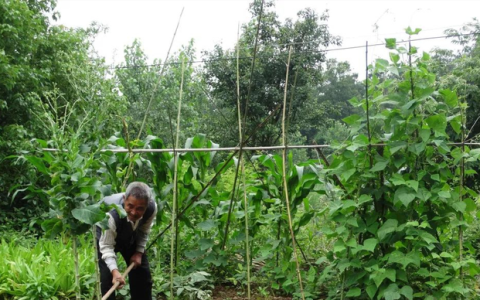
(285, 186)
(175, 187)
(252, 67)
(368, 107)
(245, 204)
(130, 165)
(159, 78)
(240, 153)
(236, 149)
(462, 179)
(98, 292)
(130, 155)
(114, 287)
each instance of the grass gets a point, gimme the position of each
(44, 270)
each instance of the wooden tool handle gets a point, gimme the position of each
(114, 287)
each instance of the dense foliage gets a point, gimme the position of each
(388, 212)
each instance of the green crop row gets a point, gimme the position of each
(44, 270)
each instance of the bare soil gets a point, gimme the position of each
(232, 293)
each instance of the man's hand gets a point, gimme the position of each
(136, 259)
(117, 277)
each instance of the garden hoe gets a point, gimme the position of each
(114, 287)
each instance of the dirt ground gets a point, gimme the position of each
(226, 292)
(231, 293)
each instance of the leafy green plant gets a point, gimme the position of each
(193, 286)
(268, 208)
(74, 192)
(42, 269)
(402, 208)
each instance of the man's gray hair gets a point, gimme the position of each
(139, 190)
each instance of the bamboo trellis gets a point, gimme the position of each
(243, 140)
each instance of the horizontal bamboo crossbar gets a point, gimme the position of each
(238, 148)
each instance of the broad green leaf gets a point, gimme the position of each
(370, 244)
(305, 219)
(446, 255)
(388, 227)
(459, 206)
(417, 148)
(392, 292)
(427, 237)
(339, 246)
(349, 204)
(397, 179)
(355, 292)
(311, 274)
(394, 57)
(470, 205)
(423, 194)
(379, 166)
(450, 97)
(425, 56)
(391, 43)
(89, 215)
(352, 243)
(397, 146)
(37, 163)
(455, 286)
(347, 174)
(371, 290)
(352, 221)
(194, 253)
(425, 134)
(438, 123)
(413, 184)
(444, 194)
(52, 227)
(364, 199)
(350, 120)
(206, 225)
(343, 264)
(205, 244)
(378, 277)
(409, 31)
(423, 272)
(299, 172)
(391, 274)
(404, 195)
(456, 124)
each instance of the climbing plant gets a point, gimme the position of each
(399, 214)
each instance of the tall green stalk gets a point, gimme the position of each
(175, 186)
(78, 291)
(285, 185)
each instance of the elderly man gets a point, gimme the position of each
(128, 236)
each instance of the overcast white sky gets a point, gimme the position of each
(210, 22)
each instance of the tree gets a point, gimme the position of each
(461, 71)
(142, 84)
(331, 104)
(261, 91)
(46, 67)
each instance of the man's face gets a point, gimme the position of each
(135, 208)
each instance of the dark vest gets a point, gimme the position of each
(126, 236)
